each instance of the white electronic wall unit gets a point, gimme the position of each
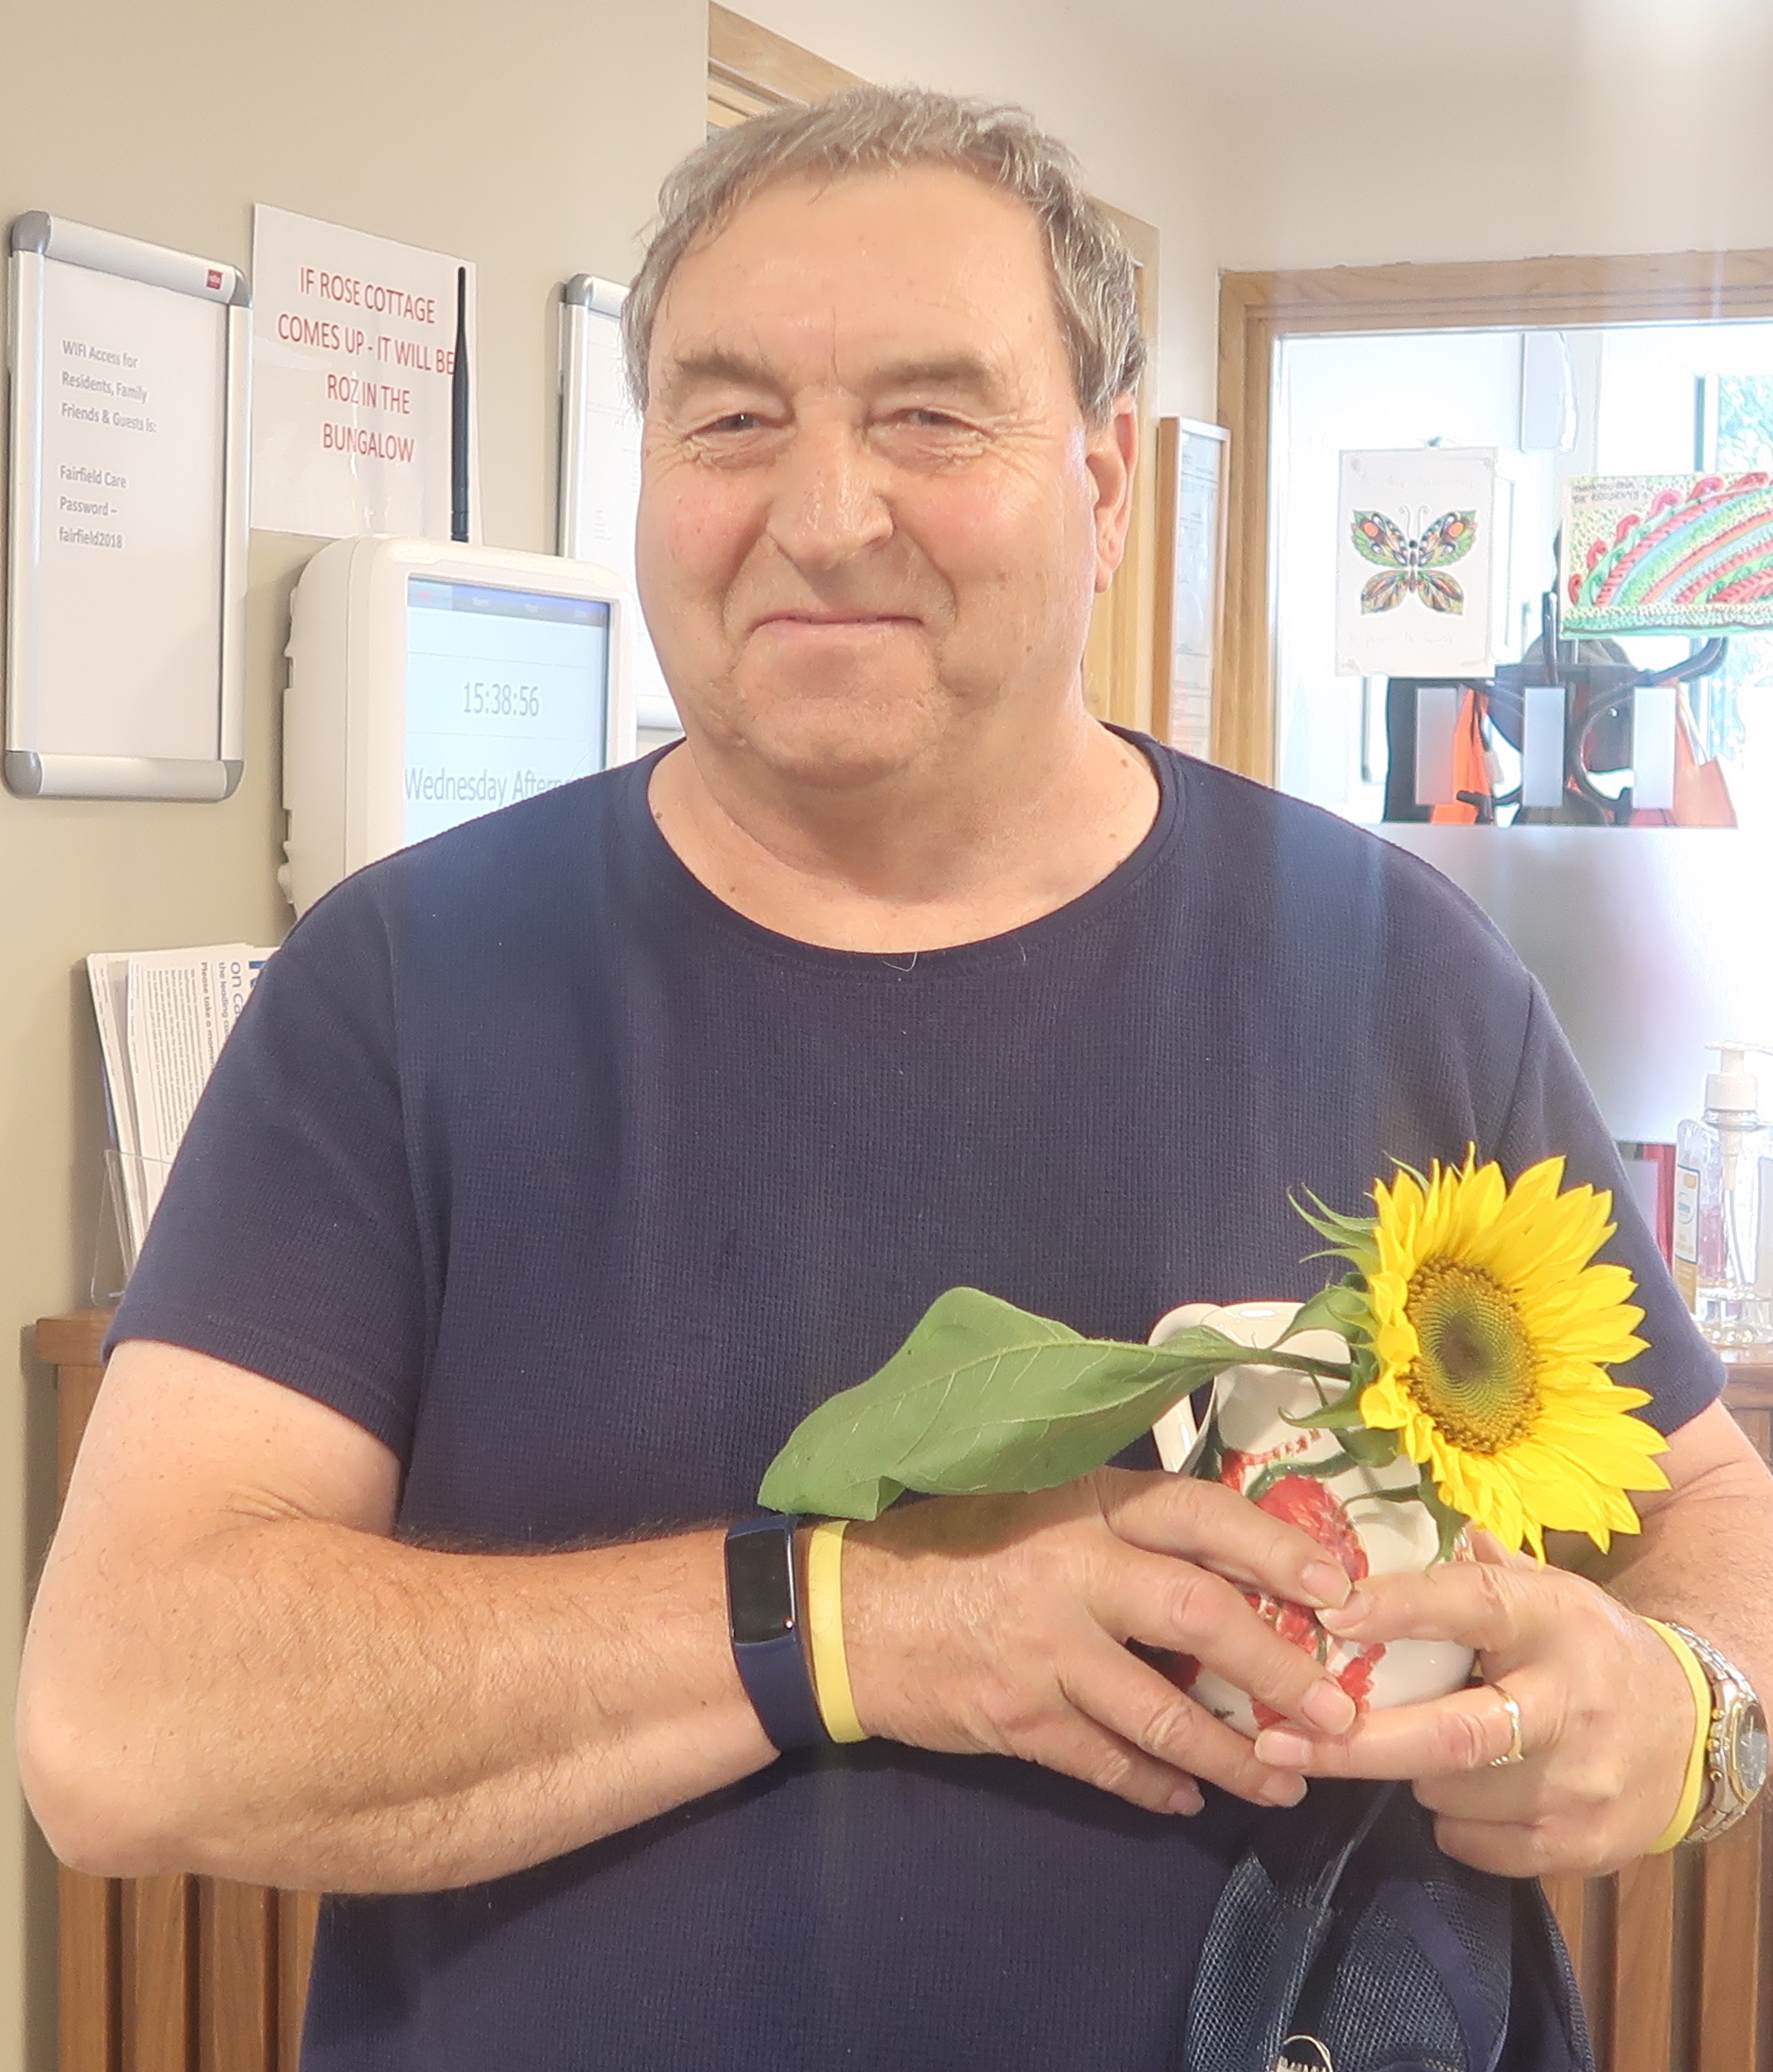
(127, 555)
(430, 683)
(600, 471)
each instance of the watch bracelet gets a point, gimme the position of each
(1729, 1687)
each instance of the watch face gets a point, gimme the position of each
(1748, 1748)
(758, 1591)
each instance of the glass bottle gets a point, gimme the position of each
(1723, 1239)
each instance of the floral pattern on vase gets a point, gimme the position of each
(1302, 1474)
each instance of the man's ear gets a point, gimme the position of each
(1110, 453)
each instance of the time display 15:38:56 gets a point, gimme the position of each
(501, 700)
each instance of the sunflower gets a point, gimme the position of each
(1490, 1330)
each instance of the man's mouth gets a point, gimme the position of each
(822, 622)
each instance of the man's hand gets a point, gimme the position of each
(997, 1624)
(1606, 1718)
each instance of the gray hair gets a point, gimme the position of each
(882, 129)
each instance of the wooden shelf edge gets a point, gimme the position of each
(72, 1340)
(1750, 1389)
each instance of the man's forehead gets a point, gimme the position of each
(926, 276)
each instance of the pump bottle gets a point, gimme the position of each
(1723, 1208)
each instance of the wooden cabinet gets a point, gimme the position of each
(1675, 1954)
(168, 1974)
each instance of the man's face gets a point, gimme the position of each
(872, 512)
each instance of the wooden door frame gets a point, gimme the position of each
(751, 69)
(1257, 310)
(1121, 657)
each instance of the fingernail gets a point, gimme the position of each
(1328, 1705)
(1326, 1581)
(1282, 1750)
(1283, 1790)
(1186, 1798)
(1349, 1613)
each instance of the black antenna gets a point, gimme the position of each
(459, 415)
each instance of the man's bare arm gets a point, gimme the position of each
(232, 1668)
(1705, 1555)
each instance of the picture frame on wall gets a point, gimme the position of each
(1192, 460)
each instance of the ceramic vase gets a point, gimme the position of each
(1290, 1470)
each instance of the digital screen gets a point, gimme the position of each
(507, 695)
(761, 1606)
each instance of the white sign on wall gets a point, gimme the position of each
(353, 350)
(126, 569)
(1416, 548)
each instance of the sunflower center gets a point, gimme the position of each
(1474, 1374)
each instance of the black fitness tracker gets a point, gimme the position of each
(763, 1612)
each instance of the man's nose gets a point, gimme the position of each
(829, 504)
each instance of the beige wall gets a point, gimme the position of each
(528, 136)
(1502, 131)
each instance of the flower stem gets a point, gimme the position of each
(1323, 1470)
(1297, 1363)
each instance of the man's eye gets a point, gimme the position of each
(737, 420)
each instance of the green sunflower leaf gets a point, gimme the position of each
(983, 1397)
(1449, 1523)
(1370, 1447)
(1340, 1413)
(1348, 1234)
(1341, 1307)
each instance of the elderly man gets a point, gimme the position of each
(563, 1163)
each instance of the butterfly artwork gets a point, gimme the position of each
(1413, 564)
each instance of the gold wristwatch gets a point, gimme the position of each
(1737, 1746)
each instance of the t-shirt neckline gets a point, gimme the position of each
(682, 887)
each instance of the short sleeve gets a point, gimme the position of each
(1553, 1114)
(287, 1240)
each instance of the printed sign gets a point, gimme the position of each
(353, 350)
(131, 535)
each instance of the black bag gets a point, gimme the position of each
(1346, 1941)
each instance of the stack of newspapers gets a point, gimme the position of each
(163, 1016)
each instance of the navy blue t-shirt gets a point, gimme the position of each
(579, 1190)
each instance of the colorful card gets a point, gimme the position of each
(1416, 548)
(1667, 554)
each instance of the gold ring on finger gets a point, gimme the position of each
(1516, 1752)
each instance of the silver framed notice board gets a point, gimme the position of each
(600, 474)
(127, 516)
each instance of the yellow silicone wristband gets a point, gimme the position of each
(1700, 1684)
(824, 1629)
